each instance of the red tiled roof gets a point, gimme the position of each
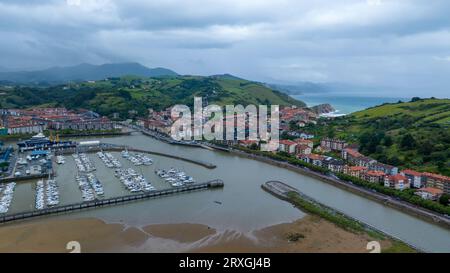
(353, 152)
(315, 157)
(397, 178)
(357, 168)
(411, 172)
(437, 176)
(287, 142)
(433, 191)
(303, 141)
(303, 147)
(376, 173)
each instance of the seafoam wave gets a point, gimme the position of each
(333, 114)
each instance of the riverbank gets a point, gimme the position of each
(95, 134)
(94, 235)
(403, 206)
(390, 201)
(340, 219)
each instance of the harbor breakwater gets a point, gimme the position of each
(281, 190)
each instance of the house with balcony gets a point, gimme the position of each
(355, 171)
(398, 182)
(437, 181)
(415, 177)
(287, 146)
(328, 144)
(429, 193)
(374, 176)
(302, 149)
(314, 159)
(333, 164)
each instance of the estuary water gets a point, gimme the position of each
(242, 204)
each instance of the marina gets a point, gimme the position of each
(109, 160)
(110, 201)
(137, 159)
(47, 194)
(133, 181)
(83, 162)
(91, 188)
(7, 194)
(175, 177)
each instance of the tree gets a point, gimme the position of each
(414, 99)
(388, 141)
(444, 199)
(408, 142)
(254, 146)
(394, 160)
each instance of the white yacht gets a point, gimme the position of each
(60, 159)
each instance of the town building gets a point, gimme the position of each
(415, 177)
(437, 181)
(333, 164)
(314, 159)
(387, 169)
(307, 142)
(303, 149)
(374, 176)
(398, 182)
(287, 146)
(355, 171)
(333, 144)
(351, 155)
(36, 120)
(429, 193)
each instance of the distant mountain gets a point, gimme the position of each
(84, 72)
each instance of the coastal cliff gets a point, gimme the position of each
(323, 109)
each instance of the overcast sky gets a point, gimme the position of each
(402, 45)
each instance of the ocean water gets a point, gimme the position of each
(345, 103)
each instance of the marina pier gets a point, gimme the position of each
(119, 148)
(217, 183)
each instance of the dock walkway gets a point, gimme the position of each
(118, 148)
(217, 183)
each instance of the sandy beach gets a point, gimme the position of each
(314, 235)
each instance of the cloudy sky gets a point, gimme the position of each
(401, 45)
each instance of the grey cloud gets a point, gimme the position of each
(402, 43)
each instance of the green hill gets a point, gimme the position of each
(412, 134)
(136, 93)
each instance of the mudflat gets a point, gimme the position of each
(309, 234)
